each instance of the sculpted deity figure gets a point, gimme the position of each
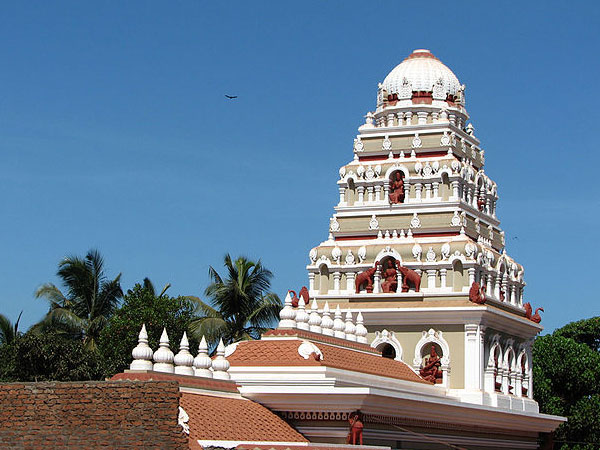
(397, 188)
(431, 370)
(390, 277)
(356, 429)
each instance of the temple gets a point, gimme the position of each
(413, 332)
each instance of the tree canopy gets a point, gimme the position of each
(88, 302)
(566, 381)
(241, 306)
(142, 305)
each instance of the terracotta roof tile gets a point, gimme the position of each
(285, 353)
(183, 380)
(234, 419)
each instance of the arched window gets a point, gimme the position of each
(445, 189)
(387, 351)
(323, 279)
(350, 193)
(432, 357)
(458, 276)
(396, 181)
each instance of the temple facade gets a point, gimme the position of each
(415, 244)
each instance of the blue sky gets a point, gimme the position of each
(115, 133)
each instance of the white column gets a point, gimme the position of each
(400, 117)
(436, 190)
(427, 190)
(386, 192)
(418, 188)
(443, 278)
(498, 286)
(513, 294)
(455, 192)
(406, 192)
(370, 194)
(431, 279)
(377, 193)
(390, 120)
(376, 283)
(311, 282)
(361, 194)
(408, 115)
(422, 117)
(473, 350)
(471, 272)
(490, 287)
(350, 282)
(342, 194)
(336, 282)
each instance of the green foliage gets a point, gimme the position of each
(48, 357)
(566, 381)
(89, 301)
(142, 305)
(9, 331)
(241, 307)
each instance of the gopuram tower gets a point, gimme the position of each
(415, 244)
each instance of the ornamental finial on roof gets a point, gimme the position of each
(338, 324)
(326, 321)
(163, 357)
(202, 362)
(142, 353)
(349, 328)
(301, 315)
(184, 359)
(314, 321)
(220, 365)
(361, 331)
(287, 315)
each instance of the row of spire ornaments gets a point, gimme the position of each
(183, 363)
(337, 327)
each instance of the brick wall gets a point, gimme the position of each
(103, 414)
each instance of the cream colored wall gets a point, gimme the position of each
(409, 336)
(395, 222)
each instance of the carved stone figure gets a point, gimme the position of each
(356, 429)
(390, 277)
(481, 204)
(366, 277)
(535, 317)
(477, 293)
(397, 188)
(409, 276)
(431, 370)
(303, 294)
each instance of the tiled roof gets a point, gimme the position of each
(285, 353)
(234, 419)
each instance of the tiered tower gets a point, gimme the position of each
(415, 244)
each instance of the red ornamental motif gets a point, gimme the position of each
(535, 317)
(356, 429)
(397, 188)
(303, 295)
(366, 277)
(477, 293)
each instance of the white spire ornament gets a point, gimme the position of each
(202, 362)
(361, 331)
(220, 365)
(314, 321)
(338, 324)
(163, 357)
(287, 315)
(301, 315)
(184, 359)
(349, 328)
(142, 353)
(326, 321)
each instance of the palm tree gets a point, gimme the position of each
(89, 301)
(8, 331)
(241, 308)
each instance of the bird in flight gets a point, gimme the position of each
(231, 97)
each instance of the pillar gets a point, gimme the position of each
(361, 194)
(473, 356)
(443, 278)
(350, 282)
(342, 191)
(336, 282)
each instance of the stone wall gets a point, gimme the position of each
(102, 414)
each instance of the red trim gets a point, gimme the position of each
(352, 238)
(415, 233)
(373, 158)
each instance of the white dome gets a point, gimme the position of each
(422, 70)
